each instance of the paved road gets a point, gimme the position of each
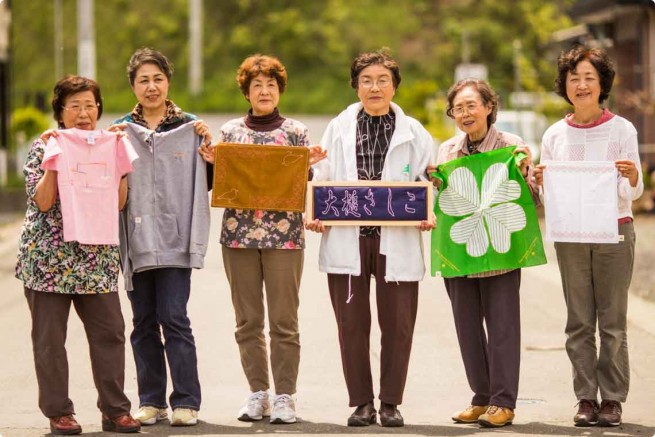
(436, 386)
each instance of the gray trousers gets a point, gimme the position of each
(595, 279)
(491, 359)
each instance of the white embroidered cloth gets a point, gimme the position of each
(580, 199)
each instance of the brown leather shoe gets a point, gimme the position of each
(610, 413)
(122, 424)
(364, 415)
(64, 425)
(496, 417)
(390, 416)
(470, 414)
(587, 414)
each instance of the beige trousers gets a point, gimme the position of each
(279, 271)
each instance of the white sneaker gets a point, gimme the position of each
(284, 410)
(184, 417)
(256, 407)
(148, 415)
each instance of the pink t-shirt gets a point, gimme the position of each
(90, 165)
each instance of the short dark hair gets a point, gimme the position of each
(567, 62)
(146, 55)
(257, 64)
(381, 57)
(68, 86)
(487, 94)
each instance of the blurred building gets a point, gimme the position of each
(626, 28)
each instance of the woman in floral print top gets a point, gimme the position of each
(79, 268)
(57, 274)
(265, 247)
(258, 229)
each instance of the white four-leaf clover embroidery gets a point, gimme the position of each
(493, 205)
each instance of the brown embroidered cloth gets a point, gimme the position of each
(251, 176)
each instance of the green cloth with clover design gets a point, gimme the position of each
(486, 218)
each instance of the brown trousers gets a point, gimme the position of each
(105, 331)
(279, 270)
(397, 304)
(492, 358)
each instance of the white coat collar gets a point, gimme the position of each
(348, 122)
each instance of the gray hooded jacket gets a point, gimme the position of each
(166, 221)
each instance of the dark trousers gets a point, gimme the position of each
(159, 303)
(491, 359)
(397, 305)
(105, 330)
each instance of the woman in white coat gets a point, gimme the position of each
(374, 140)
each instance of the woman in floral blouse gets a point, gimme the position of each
(265, 247)
(58, 273)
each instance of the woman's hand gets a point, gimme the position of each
(538, 174)
(50, 133)
(428, 225)
(525, 162)
(432, 168)
(207, 152)
(316, 154)
(202, 130)
(628, 169)
(315, 226)
(120, 127)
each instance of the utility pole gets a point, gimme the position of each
(516, 45)
(59, 40)
(195, 47)
(5, 25)
(86, 42)
(466, 49)
(516, 56)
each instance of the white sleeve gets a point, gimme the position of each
(426, 144)
(322, 168)
(629, 149)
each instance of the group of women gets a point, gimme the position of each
(372, 139)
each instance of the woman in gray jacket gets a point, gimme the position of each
(165, 230)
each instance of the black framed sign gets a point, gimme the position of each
(369, 203)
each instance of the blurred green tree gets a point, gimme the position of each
(316, 40)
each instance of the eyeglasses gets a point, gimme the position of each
(470, 108)
(78, 109)
(382, 82)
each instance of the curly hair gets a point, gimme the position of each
(487, 94)
(257, 64)
(567, 62)
(68, 86)
(381, 57)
